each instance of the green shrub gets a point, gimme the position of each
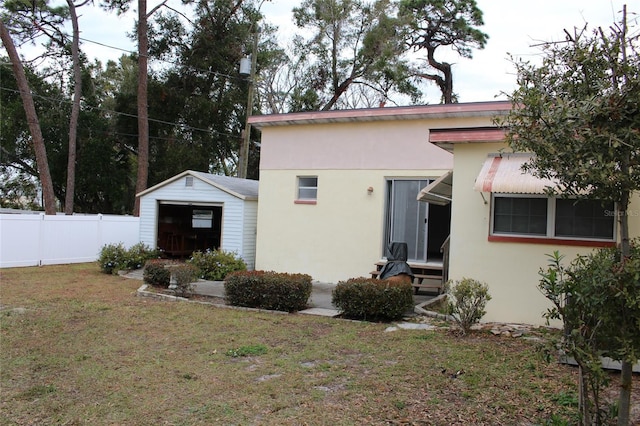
(372, 299)
(138, 254)
(155, 273)
(467, 300)
(112, 258)
(215, 265)
(115, 257)
(184, 276)
(268, 290)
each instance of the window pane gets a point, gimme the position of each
(526, 216)
(308, 193)
(308, 188)
(308, 181)
(202, 219)
(584, 218)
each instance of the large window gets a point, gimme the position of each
(544, 217)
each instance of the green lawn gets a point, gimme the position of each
(86, 350)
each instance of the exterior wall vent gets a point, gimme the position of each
(189, 181)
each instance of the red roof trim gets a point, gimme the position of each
(390, 113)
(556, 241)
(481, 134)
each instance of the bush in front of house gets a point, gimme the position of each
(268, 290)
(372, 299)
(138, 254)
(467, 299)
(184, 276)
(112, 258)
(215, 265)
(115, 257)
(156, 274)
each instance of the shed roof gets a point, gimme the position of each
(471, 109)
(245, 189)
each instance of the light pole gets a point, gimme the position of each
(250, 73)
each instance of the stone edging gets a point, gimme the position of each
(143, 292)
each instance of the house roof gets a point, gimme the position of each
(473, 109)
(245, 189)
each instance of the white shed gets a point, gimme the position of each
(198, 211)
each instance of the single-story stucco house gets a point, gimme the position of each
(199, 211)
(337, 186)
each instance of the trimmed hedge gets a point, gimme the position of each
(156, 274)
(372, 299)
(268, 290)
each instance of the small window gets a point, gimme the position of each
(202, 219)
(526, 216)
(308, 188)
(584, 219)
(188, 181)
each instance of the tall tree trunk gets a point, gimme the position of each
(445, 83)
(32, 120)
(626, 369)
(75, 112)
(143, 118)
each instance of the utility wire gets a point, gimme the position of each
(218, 74)
(183, 126)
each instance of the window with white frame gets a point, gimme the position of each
(308, 188)
(543, 217)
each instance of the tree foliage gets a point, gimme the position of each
(579, 112)
(432, 25)
(351, 43)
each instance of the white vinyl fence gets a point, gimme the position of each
(38, 239)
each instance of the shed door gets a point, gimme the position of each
(185, 228)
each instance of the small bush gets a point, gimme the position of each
(268, 290)
(115, 257)
(184, 276)
(138, 254)
(373, 299)
(215, 265)
(112, 258)
(467, 300)
(156, 274)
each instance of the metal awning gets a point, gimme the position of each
(438, 192)
(503, 173)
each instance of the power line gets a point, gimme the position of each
(186, 127)
(218, 74)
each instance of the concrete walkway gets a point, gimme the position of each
(319, 302)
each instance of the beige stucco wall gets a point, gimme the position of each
(338, 238)
(510, 269)
(341, 236)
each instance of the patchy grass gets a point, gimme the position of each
(85, 350)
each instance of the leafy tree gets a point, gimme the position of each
(32, 119)
(579, 112)
(352, 43)
(202, 90)
(434, 24)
